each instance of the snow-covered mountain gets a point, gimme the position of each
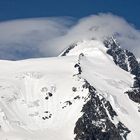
(90, 92)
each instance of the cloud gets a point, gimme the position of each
(20, 39)
(101, 26)
(45, 37)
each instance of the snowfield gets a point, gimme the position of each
(42, 99)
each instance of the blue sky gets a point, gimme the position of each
(15, 9)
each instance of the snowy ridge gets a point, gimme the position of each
(66, 96)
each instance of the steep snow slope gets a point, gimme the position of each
(42, 99)
(37, 95)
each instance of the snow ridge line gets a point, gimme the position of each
(98, 119)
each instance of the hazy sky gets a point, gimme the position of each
(43, 28)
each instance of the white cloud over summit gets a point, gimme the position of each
(45, 37)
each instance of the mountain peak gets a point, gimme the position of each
(86, 47)
(91, 93)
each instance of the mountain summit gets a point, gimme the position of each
(91, 91)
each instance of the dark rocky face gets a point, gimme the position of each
(96, 123)
(68, 49)
(127, 61)
(123, 58)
